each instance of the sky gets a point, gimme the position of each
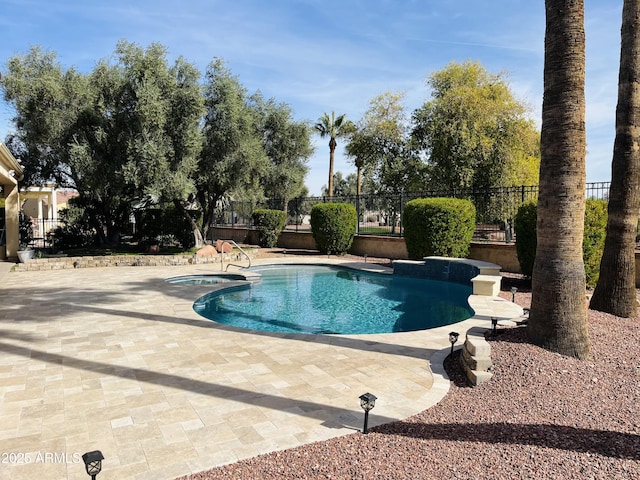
(322, 56)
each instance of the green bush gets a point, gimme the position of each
(75, 230)
(333, 226)
(163, 226)
(525, 227)
(269, 224)
(595, 231)
(438, 226)
(595, 227)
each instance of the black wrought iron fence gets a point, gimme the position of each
(382, 214)
(43, 232)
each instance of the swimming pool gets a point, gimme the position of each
(315, 299)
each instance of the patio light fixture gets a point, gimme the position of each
(513, 294)
(453, 338)
(93, 463)
(494, 324)
(367, 402)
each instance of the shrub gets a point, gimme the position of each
(438, 226)
(75, 230)
(333, 226)
(526, 242)
(269, 224)
(159, 226)
(595, 231)
(595, 227)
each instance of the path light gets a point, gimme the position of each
(93, 463)
(494, 324)
(367, 402)
(513, 294)
(453, 338)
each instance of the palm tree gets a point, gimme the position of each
(558, 317)
(333, 127)
(615, 292)
(358, 149)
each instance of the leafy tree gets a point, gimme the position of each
(233, 159)
(381, 147)
(343, 186)
(47, 100)
(287, 143)
(474, 133)
(333, 127)
(116, 135)
(615, 292)
(558, 317)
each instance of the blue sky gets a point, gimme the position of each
(320, 56)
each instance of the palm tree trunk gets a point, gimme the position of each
(332, 150)
(615, 292)
(558, 317)
(358, 181)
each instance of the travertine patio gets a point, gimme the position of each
(115, 359)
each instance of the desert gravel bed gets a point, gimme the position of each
(542, 416)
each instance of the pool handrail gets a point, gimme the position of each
(234, 264)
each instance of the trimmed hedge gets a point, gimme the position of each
(438, 226)
(524, 225)
(333, 226)
(269, 224)
(595, 228)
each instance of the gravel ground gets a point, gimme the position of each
(542, 416)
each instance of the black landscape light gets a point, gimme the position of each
(453, 338)
(513, 294)
(367, 402)
(93, 463)
(494, 324)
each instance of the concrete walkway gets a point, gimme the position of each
(115, 359)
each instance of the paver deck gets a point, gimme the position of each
(115, 359)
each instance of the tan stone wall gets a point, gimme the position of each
(63, 263)
(381, 247)
(499, 253)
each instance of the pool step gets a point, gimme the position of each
(487, 285)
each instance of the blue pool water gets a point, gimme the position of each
(320, 299)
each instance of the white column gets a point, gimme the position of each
(53, 204)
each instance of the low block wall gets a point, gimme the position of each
(503, 254)
(62, 263)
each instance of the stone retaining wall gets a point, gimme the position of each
(60, 263)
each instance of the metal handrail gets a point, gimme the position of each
(234, 264)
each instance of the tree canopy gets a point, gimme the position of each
(474, 133)
(137, 130)
(381, 148)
